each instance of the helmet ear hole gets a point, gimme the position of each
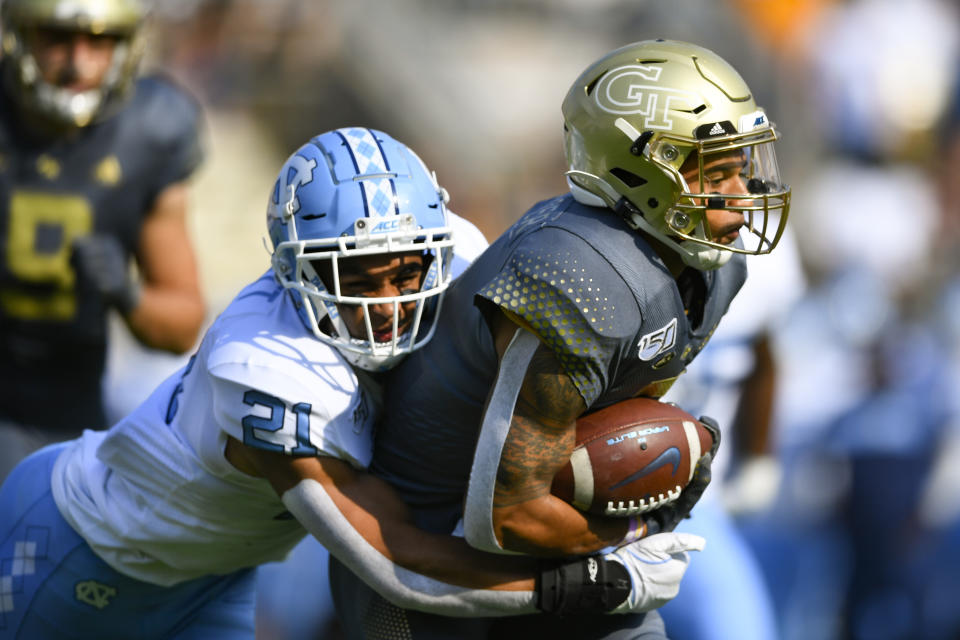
(628, 178)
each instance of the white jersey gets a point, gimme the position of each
(155, 496)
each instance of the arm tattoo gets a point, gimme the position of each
(542, 431)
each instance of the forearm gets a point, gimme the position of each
(548, 526)
(526, 517)
(360, 520)
(755, 408)
(410, 568)
(170, 310)
(365, 525)
(509, 506)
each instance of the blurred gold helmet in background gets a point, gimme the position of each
(21, 20)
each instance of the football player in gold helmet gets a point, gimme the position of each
(94, 165)
(590, 298)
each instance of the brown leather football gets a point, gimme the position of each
(631, 457)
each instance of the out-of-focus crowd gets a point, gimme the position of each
(837, 374)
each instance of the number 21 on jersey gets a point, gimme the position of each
(268, 432)
(261, 432)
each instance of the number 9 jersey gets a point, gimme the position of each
(102, 178)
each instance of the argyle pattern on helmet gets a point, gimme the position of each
(369, 159)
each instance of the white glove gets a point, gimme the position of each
(656, 565)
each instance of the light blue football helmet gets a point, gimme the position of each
(356, 192)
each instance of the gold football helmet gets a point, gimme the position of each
(643, 119)
(20, 21)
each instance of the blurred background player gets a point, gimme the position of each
(734, 380)
(854, 545)
(153, 528)
(93, 170)
(595, 296)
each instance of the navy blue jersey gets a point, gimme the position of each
(103, 178)
(591, 289)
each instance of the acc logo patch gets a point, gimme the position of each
(93, 593)
(635, 89)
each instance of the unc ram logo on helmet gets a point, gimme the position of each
(353, 192)
(632, 120)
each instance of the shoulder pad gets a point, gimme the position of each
(170, 110)
(170, 123)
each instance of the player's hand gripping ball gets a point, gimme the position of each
(632, 457)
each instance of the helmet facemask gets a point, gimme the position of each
(317, 281)
(361, 241)
(762, 199)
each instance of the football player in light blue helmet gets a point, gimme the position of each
(375, 197)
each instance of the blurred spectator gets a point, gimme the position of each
(863, 407)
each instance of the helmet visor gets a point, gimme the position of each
(736, 173)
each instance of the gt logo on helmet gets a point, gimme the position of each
(628, 90)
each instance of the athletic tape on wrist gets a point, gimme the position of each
(636, 530)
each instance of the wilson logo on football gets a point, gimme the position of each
(633, 89)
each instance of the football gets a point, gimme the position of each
(631, 457)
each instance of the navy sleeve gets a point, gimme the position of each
(570, 296)
(173, 127)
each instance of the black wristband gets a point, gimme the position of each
(586, 585)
